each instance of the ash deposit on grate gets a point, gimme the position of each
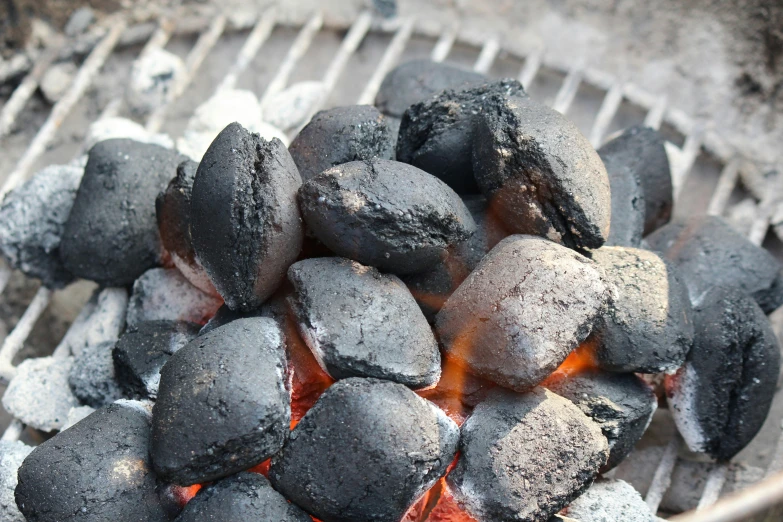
(441, 308)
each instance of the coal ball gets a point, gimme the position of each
(609, 500)
(92, 376)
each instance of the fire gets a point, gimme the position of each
(457, 392)
(262, 468)
(578, 361)
(438, 504)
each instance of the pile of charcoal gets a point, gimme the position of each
(437, 308)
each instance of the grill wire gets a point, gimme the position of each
(211, 28)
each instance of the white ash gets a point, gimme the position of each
(102, 321)
(39, 394)
(163, 294)
(76, 414)
(79, 21)
(211, 117)
(110, 128)
(610, 501)
(57, 80)
(743, 215)
(290, 107)
(153, 77)
(143, 406)
(684, 402)
(12, 453)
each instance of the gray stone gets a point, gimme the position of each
(12, 453)
(610, 501)
(92, 378)
(361, 323)
(57, 80)
(152, 78)
(79, 21)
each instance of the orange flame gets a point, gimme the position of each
(457, 391)
(578, 361)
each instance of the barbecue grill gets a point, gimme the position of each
(363, 51)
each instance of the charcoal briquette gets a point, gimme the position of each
(361, 323)
(709, 253)
(245, 223)
(524, 457)
(111, 236)
(92, 378)
(367, 450)
(721, 396)
(12, 453)
(97, 470)
(222, 403)
(341, 135)
(540, 173)
(385, 214)
(609, 500)
(436, 135)
(524, 308)
(241, 498)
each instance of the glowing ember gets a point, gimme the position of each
(578, 361)
(183, 494)
(457, 392)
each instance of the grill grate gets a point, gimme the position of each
(211, 27)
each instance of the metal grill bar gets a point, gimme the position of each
(15, 340)
(663, 474)
(13, 431)
(390, 58)
(444, 44)
(712, 488)
(609, 107)
(567, 93)
(726, 183)
(487, 56)
(530, 69)
(690, 152)
(255, 40)
(656, 113)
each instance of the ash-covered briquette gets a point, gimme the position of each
(172, 208)
(97, 470)
(222, 403)
(341, 135)
(12, 453)
(385, 214)
(433, 287)
(519, 314)
(524, 457)
(142, 351)
(361, 323)
(245, 223)
(32, 220)
(647, 326)
(540, 174)
(609, 500)
(92, 378)
(621, 404)
(417, 80)
(641, 183)
(721, 396)
(436, 135)
(367, 450)
(111, 236)
(709, 253)
(241, 498)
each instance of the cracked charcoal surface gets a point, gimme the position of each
(385, 214)
(621, 404)
(92, 379)
(222, 403)
(142, 351)
(436, 135)
(32, 220)
(524, 457)
(172, 208)
(433, 287)
(96, 470)
(245, 222)
(541, 174)
(721, 396)
(12, 453)
(709, 253)
(417, 80)
(610, 501)
(366, 451)
(241, 498)
(341, 135)
(361, 323)
(647, 326)
(519, 314)
(111, 236)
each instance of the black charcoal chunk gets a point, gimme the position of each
(367, 450)
(385, 214)
(647, 326)
(142, 351)
(640, 151)
(433, 287)
(241, 498)
(96, 470)
(111, 236)
(92, 377)
(709, 253)
(172, 208)
(621, 404)
(341, 135)
(32, 220)
(541, 175)
(361, 323)
(721, 396)
(245, 223)
(610, 500)
(417, 80)
(222, 403)
(225, 315)
(519, 314)
(524, 457)
(436, 135)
